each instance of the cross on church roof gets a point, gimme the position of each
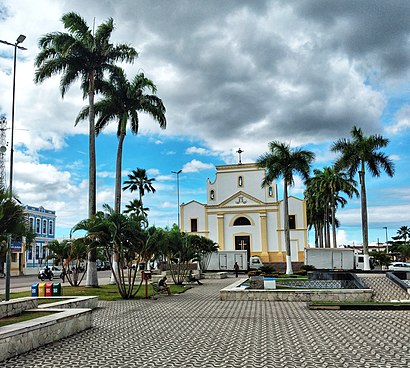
(239, 151)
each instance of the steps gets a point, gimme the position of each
(384, 289)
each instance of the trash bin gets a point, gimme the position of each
(49, 289)
(34, 289)
(57, 289)
(41, 289)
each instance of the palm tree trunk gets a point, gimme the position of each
(365, 233)
(118, 166)
(289, 269)
(92, 278)
(333, 212)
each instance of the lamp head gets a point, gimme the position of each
(20, 39)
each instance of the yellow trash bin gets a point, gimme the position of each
(42, 289)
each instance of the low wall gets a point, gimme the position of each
(233, 292)
(24, 336)
(17, 306)
(215, 275)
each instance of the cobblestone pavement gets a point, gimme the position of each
(196, 329)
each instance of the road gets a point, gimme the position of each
(19, 282)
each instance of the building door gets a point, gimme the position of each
(243, 242)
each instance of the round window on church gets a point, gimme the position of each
(240, 221)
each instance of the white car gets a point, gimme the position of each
(399, 266)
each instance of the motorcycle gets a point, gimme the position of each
(45, 274)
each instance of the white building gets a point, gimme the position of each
(240, 214)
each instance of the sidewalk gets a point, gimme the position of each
(196, 329)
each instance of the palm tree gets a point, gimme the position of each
(138, 180)
(282, 161)
(357, 155)
(81, 54)
(122, 101)
(403, 233)
(12, 221)
(135, 206)
(327, 185)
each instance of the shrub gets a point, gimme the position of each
(308, 268)
(267, 269)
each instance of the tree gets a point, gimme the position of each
(138, 180)
(122, 101)
(12, 221)
(357, 155)
(82, 54)
(324, 188)
(135, 206)
(403, 234)
(121, 236)
(282, 161)
(204, 247)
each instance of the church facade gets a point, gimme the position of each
(241, 215)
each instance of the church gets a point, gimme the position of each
(239, 214)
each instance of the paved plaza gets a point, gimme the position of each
(196, 329)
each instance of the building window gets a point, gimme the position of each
(270, 192)
(14, 257)
(240, 221)
(44, 252)
(292, 222)
(194, 225)
(212, 195)
(38, 230)
(31, 223)
(29, 252)
(50, 228)
(240, 181)
(44, 226)
(37, 252)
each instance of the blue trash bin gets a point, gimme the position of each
(34, 289)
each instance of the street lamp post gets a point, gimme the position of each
(19, 40)
(177, 174)
(387, 246)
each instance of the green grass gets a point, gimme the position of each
(104, 292)
(25, 316)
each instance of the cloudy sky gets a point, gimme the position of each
(232, 74)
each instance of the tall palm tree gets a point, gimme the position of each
(138, 180)
(283, 161)
(122, 101)
(81, 54)
(326, 186)
(357, 155)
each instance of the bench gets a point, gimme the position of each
(157, 290)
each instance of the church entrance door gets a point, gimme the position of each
(243, 242)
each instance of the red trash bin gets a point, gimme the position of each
(49, 289)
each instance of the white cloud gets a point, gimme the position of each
(195, 166)
(402, 121)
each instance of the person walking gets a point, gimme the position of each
(236, 268)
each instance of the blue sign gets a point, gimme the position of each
(16, 246)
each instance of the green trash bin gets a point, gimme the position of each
(57, 290)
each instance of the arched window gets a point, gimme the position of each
(212, 195)
(240, 181)
(240, 221)
(270, 192)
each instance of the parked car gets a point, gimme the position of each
(255, 263)
(399, 266)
